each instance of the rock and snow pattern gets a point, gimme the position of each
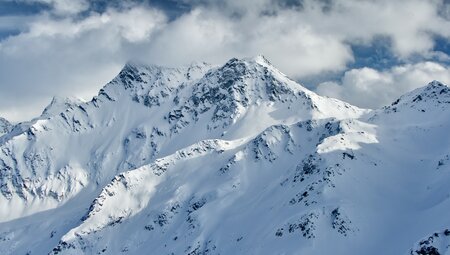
(232, 159)
(5, 126)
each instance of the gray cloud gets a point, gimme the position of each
(72, 49)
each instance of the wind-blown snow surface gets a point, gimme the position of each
(236, 159)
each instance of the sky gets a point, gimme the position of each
(364, 52)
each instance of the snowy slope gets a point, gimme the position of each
(236, 159)
(144, 113)
(314, 187)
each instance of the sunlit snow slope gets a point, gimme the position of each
(236, 159)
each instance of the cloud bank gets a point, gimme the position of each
(369, 88)
(70, 48)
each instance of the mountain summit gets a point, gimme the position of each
(231, 159)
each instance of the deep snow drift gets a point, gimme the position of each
(236, 159)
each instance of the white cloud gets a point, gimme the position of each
(206, 35)
(134, 25)
(68, 57)
(370, 88)
(59, 52)
(409, 23)
(68, 6)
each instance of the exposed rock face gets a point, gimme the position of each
(5, 126)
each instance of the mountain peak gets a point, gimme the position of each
(436, 83)
(134, 73)
(435, 90)
(60, 104)
(5, 126)
(262, 60)
(259, 59)
(432, 97)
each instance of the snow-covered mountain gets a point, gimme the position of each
(232, 159)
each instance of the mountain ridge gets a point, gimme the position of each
(230, 159)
